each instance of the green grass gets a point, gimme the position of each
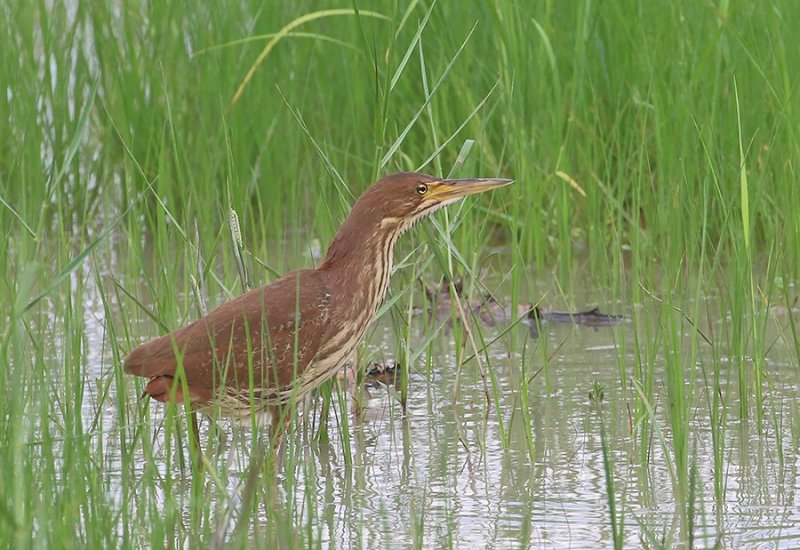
(655, 149)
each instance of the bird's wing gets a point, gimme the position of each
(253, 333)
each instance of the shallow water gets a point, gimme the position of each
(440, 474)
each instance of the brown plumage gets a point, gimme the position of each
(275, 343)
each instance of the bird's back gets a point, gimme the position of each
(282, 326)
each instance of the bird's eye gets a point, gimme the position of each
(422, 188)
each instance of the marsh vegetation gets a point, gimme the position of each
(655, 148)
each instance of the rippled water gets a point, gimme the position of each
(440, 474)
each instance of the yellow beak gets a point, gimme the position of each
(449, 189)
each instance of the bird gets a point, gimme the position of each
(270, 346)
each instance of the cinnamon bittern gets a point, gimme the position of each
(274, 344)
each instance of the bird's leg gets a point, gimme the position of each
(354, 379)
(194, 428)
(279, 423)
(275, 426)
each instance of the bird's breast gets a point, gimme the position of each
(357, 295)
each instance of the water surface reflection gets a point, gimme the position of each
(454, 469)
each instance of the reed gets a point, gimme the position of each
(655, 148)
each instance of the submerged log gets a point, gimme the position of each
(490, 312)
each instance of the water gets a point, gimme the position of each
(451, 470)
(442, 473)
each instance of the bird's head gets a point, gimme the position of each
(399, 200)
(392, 204)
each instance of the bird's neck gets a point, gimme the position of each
(359, 261)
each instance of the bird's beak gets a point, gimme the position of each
(448, 190)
